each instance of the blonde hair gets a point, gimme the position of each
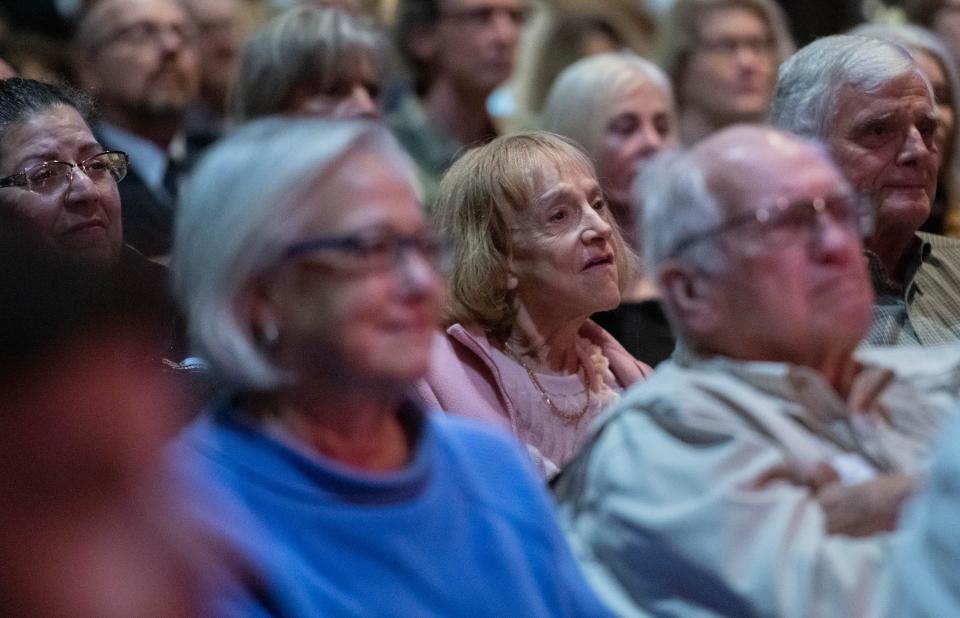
(476, 208)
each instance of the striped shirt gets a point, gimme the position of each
(925, 309)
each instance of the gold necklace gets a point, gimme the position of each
(567, 418)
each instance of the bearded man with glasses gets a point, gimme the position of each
(762, 472)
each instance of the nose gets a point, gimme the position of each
(834, 241)
(418, 274)
(915, 148)
(505, 27)
(595, 226)
(649, 140)
(170, 39)
(80, 188)
(361, 104)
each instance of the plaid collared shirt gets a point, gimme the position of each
(926, 308)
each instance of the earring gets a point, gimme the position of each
(269, 333)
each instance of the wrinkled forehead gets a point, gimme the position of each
(546, 168)
(109, 15)
(758, 172)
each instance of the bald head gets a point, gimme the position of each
(758, 249)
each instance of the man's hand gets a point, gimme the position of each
(867, 508)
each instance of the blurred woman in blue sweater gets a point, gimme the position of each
(308, 273)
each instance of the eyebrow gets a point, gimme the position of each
(555, 194)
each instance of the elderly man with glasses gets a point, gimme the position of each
(872, 105)
(764, 473)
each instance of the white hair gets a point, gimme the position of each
(239, 211)
(806, 95)
(676, 203)
(581, 98)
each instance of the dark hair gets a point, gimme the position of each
(21, 98)
(410, 15)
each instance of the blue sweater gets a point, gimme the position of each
(466, 529)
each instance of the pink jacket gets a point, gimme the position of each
(464, 380)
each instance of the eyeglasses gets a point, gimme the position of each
(151, 33)
(373, 250)
(787, 223)
(729, 46)
(482, 16)
(52, 177)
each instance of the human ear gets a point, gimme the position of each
(690, 293)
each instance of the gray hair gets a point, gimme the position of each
(306, 49)
(579, 102)
(805, 99)
(239, 211)
(676, 203)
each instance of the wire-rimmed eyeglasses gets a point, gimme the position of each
(786, 221)
(52, 177)
(374, 249)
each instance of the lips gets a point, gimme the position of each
(604, 259)
(86, 225)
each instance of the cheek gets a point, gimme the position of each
(32, 211)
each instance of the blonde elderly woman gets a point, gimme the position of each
(307, 269)
(619, 107)
(537, 251)
(311, 61)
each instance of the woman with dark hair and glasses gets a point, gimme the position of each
(309, 277)
(58, 188)
(55, 179)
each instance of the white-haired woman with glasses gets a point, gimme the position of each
(308, 272)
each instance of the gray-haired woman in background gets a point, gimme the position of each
(311, 61)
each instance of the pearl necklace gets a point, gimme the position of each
(571, 419)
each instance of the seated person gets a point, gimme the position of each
(762, 474)
(872, 105)
(537, 251)
(619, 107)
(59, 186)
(314, 298)
(311, 61)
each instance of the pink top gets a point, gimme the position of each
(471, 377)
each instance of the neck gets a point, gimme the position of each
(893, 246)
(159, 129)
(358, 429)
(552, 347)
(695, 126)
(459, 113)
(839, 370)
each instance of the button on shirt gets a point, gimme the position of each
(926, 308)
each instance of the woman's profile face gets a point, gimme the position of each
(563, 262)
(363, 306)
(639, 125)
(81, 219)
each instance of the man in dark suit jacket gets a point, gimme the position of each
(138, 58)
